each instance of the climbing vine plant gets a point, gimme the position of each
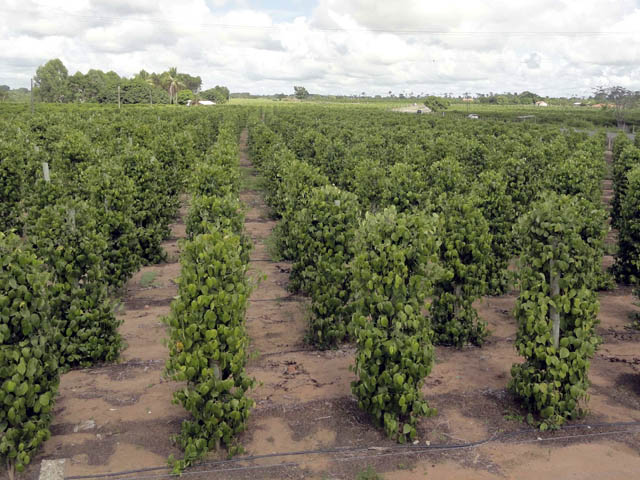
(208, 344)
(324, 231)
(627, 263)
(67, 237)
(392, 274)
(464, 253)
(556, 309)
(28, 363)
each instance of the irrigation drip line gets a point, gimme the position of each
(422, 450)
(618, 332)
(388, 451)
(289, 298)
(285, 352)
(199, 472)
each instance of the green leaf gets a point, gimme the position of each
(44, 399)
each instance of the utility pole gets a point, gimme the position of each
(32, 106)
(118, 97)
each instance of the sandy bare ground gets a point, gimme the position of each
(304, 401)
(119, 416)
(412, 109)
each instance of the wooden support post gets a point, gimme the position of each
(554, 314)
(456, 305)
(118, 97)
(45, 172)
(72, 218)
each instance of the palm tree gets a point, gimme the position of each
(150, 79)
(172, 83)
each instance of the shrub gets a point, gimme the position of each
(184, 96)
(464, 252)
(556, 309)
(405, 188)
(11, 186)
(28, 364)
(208, 344)
(108, 189)
(298, 180)
(497, 208)
(155, 204)
(68, 239)
(323, 232)
(221, 213)
(628, 158)
(212, 179)
(392, 274)
(627, 262)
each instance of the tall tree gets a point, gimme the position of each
(190, 82)
(173, 83)
(300, 92)
(622, 99)
(51, 82)
(217, 94)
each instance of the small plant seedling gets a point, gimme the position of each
(273, 249)
(610, 248)
(369, 474)
(147, 279)
(513, 416)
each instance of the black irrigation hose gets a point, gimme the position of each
(618, 332)
(391, 450)
(286, 352)
(289, 298)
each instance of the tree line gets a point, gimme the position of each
(53, 84)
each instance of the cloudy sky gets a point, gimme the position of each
(552, 47)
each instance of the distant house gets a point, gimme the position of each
(542, 103)
(199, 102)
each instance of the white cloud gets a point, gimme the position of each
(342, 46)
(533, 60)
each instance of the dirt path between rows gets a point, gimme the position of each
(304, 402)
(119, 417)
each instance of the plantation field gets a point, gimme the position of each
(323, 291)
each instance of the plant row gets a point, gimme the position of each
(625, 208)
(372, 250)
(207, 337)
(81, 213)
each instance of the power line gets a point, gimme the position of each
(417, 31)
